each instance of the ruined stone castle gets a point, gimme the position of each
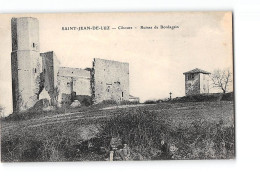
(37, 76)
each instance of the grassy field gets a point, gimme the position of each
(197, 130)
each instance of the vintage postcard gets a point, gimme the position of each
(116, 86)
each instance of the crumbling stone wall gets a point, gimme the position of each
(111, 80)
(73, 81)
(38, 76)
(26, 65)
(50, 68)
(134, 99)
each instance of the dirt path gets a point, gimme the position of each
(61, 118)
(128, 106)
(97, 114)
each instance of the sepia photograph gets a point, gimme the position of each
(135, 86)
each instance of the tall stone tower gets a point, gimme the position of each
(26, 65)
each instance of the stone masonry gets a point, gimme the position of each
(196, 82)
(25, 61)
(111, 80)
(73, 81)
(50, 68)
(38, 75)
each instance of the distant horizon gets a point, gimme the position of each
(157, 57)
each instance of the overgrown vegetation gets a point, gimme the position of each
(150, 102)
(211, 97)
(113, 102)
(205, 97)
(27, 145)
(109, 102)
(141, 130)
(38, 113)
(198, 133)
(199, 139)
(125, 102)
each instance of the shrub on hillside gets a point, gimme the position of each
(205, 97)
(25, 115)
(108, 102)
(144, 130)
(41, 144)
(150, 102)
(125, 102)
(84, 99)
(228, 97)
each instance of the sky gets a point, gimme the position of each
(157, 57)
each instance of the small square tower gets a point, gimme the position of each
(196, 82)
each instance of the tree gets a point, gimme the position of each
(222, 79)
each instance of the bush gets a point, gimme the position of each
(205, 97)
(150, 102)
(45, 144)
(108, 102)
(84, 100)
(26, 115)
(125, 102)
(144, 130)
(228, 97)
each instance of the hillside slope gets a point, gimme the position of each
(53, 138)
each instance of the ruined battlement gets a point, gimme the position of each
(25, 34)
(74, 72)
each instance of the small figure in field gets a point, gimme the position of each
(164, 150)
(126, 152)
(118, 151)
(123, 153)
(167, 150)
(172, 150)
